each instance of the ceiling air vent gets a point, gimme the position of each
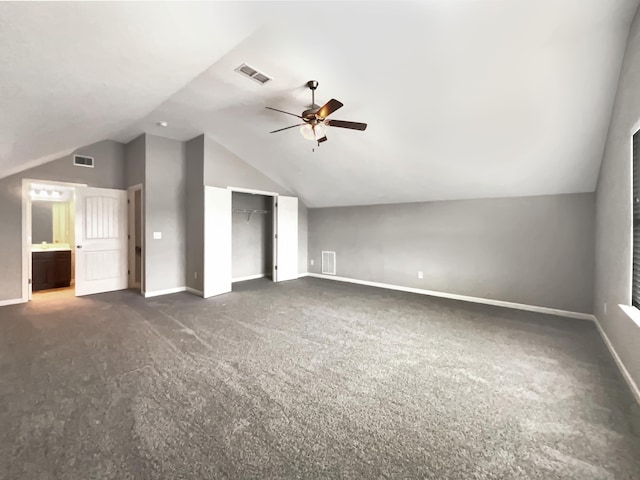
(83, 161)
(253, 74)
(329, 263)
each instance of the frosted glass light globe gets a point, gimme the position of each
(307, 132)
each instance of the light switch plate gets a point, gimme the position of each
(312, 261)
(157, 235)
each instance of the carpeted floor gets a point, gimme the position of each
(306, 379)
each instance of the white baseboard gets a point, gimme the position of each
(464, 298)
(194, 291)
(168, 291)
(250, 277)
(13, 301)
(623, 370)
(305, 274)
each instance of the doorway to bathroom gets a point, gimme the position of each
(74, 237)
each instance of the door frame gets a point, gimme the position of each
(131, 260)
(274, 226)
(27, 230)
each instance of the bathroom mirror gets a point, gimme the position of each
(42, 222)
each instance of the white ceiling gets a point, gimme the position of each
(75, 73)
(464, 99)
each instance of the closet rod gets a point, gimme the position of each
(248, 210)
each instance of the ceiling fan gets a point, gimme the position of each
(315, 118)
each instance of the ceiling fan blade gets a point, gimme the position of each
(323, 139)
(343, 124)
(330, 107)
(287, 128)
(282, 111)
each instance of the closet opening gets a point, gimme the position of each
(253, 239)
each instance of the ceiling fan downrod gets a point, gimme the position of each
(313, 84)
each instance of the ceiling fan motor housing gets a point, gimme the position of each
(309, 115)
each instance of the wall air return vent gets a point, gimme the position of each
(253, 74)
(329, 263)
(83, 161)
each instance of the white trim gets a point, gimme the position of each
(254, 192)
(54, 182)
(274, 239)
(168, 291)
(632, 312)
(635, 128)
(302, 275)
(464, 298)
(629, 279)
(13, 301)
(623, 370)
(250, 277)
(26, 241)
(199, 293)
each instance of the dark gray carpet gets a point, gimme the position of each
(307, 379)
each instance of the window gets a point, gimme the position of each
(635, 284)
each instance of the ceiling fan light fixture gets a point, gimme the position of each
(307, 132)
(313, 132)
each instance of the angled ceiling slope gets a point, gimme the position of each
(76, 73)
(463, 99)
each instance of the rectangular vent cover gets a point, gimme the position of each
(329, 263)
(82, 161)
(253, 74)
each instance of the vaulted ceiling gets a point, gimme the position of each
(464, 99)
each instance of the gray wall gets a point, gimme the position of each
(109, 172)
(224, 169)
(195, 212)
(532, 250)
(135, 152)
(165, 212)
(41, 222)
(252, 244)
(303, 230)
(613, 214)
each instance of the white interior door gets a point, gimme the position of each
(286, 239)
(217, 241)
(101, 240)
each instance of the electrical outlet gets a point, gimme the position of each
(195, 274)
(605, 308)
(312, 262)
(420, 275)
(157, 235)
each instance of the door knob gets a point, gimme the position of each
(78, 246)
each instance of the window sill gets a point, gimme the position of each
(632, 312)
